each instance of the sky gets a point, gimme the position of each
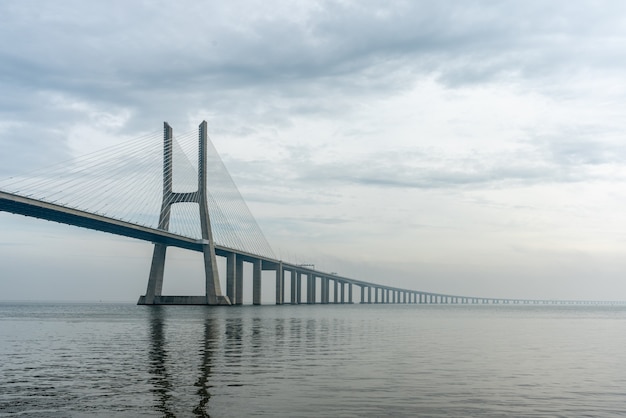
(473, 147)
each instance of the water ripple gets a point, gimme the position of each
(336, 361)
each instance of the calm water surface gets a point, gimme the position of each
(72, 360)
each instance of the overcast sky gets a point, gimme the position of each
(469, 147)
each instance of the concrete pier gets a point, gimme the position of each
(325, 290)
(231, 274)
(294, 287)
(299, 288)
(239, 281)
(310, 288)
(280, 284)
(257, 271)
(213, 293)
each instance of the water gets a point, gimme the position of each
(122, 360)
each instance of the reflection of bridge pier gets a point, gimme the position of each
(203, 382)
(165, 387)
(158, 358)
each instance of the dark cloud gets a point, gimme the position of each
(424, 170)
(172, 59)
(582, 146)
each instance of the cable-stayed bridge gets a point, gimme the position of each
(181, 195)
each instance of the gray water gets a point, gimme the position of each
(60, 360)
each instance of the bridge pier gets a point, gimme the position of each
(310, 294)
(238, 281)
(280, 284)
(231, 281)
(213, 293)
(327, 282)
(294, 287)
(155, 280)
(257, 271)
(298, 287)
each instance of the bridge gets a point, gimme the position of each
(46, 195)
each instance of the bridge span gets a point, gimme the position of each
(343, 287)
(304, 279)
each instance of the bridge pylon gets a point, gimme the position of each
(213, 292)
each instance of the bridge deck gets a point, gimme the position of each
(57, 213)
(27, 206)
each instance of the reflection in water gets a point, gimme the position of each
(163, 355)
(326, 361)
(158, 357)
(279, 331)
(233, 349)
(256, 343)
(210, 339)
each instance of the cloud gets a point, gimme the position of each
(145, 56)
